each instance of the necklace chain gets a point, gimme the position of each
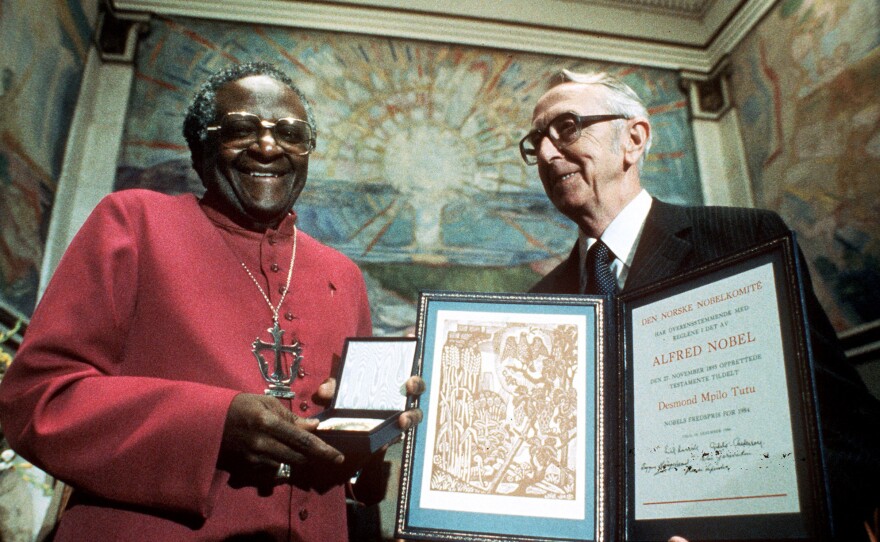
(277, 308)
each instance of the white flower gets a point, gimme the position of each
(6, 459)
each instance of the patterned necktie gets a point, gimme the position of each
(601, 280)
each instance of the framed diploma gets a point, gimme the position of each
(720, 430)
(514, 442)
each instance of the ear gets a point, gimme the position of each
(638, 129)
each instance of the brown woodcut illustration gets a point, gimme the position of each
(507, 410)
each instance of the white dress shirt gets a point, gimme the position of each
(621, 236)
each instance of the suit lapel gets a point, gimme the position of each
(663, 247)
(569, 278)
(564, 278)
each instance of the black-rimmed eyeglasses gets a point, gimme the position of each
(563, 130)
(240, 130)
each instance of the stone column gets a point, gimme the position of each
(720, 153)
(92, 151)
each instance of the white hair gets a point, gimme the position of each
(620, 99)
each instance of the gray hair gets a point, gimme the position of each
(620, 99)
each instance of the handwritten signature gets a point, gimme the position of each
(720, 456)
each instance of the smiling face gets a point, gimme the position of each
(256, 185)
(591, 180)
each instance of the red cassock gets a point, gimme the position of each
(136, 350)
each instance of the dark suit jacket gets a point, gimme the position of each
(677, 239)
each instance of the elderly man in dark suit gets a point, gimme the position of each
(590, 135)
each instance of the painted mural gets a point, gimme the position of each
(805, 82)
(43, 52)
(39, 81)
(416, 175)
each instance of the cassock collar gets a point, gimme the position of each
(284, 229)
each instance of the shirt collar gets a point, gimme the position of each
(621, 236)
(285, 228)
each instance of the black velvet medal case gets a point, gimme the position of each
(370, 394)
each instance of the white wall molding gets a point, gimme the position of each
(736, 29)
(667, 47)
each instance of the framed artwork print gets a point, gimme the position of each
(516, 423)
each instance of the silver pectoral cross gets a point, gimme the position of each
(281, 377)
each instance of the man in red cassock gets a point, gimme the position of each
(138, 382)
